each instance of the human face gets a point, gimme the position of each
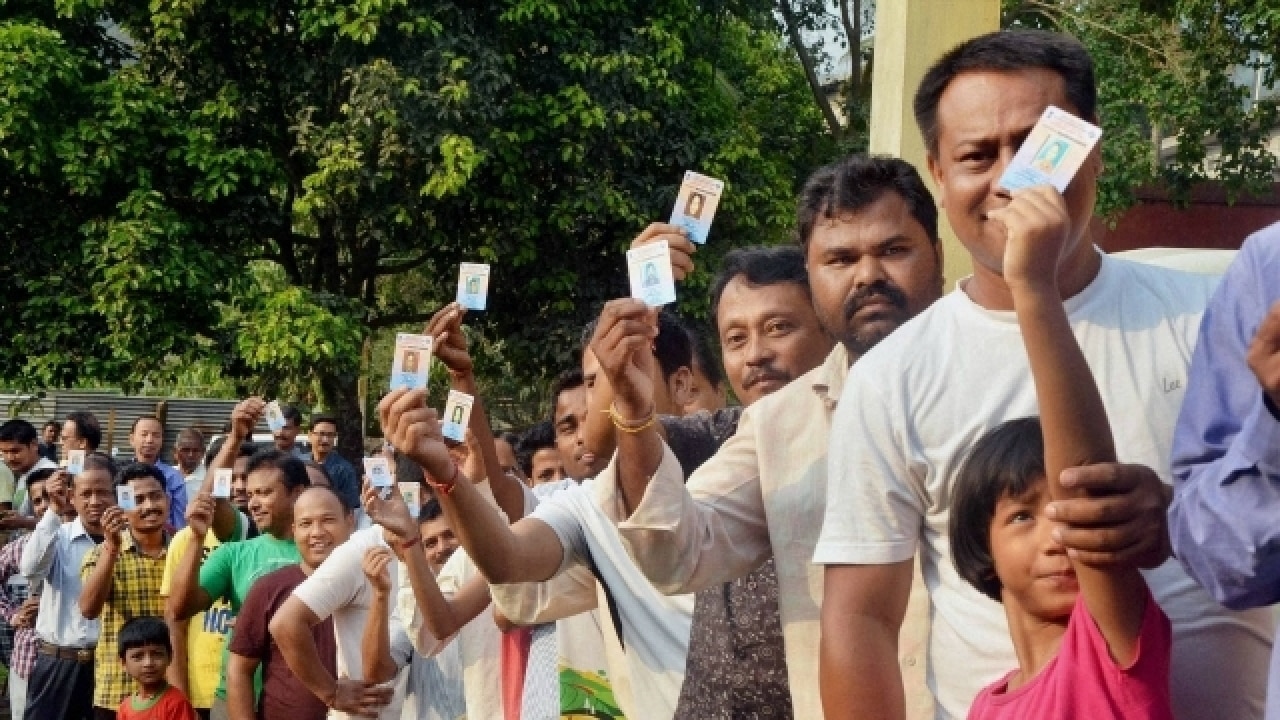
(286, 436)
(769, 336)
(870, 271)
(50, 434)
(151, 509)
(1036, 576)
(20, 457)
(570, 421)
(92, 493)
(507, 459)
(270, 503)
(71, 439)
(438, 541)
(240, 484)
(320, 524)
(703, 395)
(39, 499)
(547, 466)
(983, 117)
(146, 439)
(322, 436)
(189, 454)
(147, 664)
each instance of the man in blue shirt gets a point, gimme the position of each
(323, 436)
(146, 437)
(1226, 451)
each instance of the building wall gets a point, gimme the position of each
(1207, 221)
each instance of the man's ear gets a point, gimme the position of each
(680, 387)
(935, 172)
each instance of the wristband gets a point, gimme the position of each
(442, 488)
(631, 428)
(408, 544)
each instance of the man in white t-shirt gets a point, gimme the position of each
(919, 400)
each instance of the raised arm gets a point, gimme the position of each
(526, 551)
(1072, 416)
(244, 417)
(38, 555)
(97, 575)
(375, 642)
(187, 597)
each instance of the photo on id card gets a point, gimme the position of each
(411, 364)
(275, 416)
(125, 498)
(457, 413)
(696, 205)
(1052, 153)
(379, 471)
(75, 462)
(473, 285)
(649, 267)
(412, 494)
(222, 483)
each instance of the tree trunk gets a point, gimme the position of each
(342, 400)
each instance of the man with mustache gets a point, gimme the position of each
(61, 683)
(868, 230)
(122, 577)
(146, 437)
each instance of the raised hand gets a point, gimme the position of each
(391, 514)
(414, 429)
(450, 345)
(682, 248)
(200, 514)
(1264, 356)
(1037, 226)
(623, 344)
(58, 488)
(114, 523)
(245, 416)
(375, 566)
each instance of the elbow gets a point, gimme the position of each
(88, 610)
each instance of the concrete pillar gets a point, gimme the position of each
(910, 36)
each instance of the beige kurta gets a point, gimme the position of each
(764, 493)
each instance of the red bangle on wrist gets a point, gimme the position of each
(442, 488)
(408, 544)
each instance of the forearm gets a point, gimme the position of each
(37, 556)
(437, 612)
(859, 672)
(506, 490)
(177, 672)
(491, 542)
(375, 643)
(240, 696)
(184, 596)
(639, 454)
(97, 587)
(293, 636)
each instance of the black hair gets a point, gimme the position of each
(134, 470)
(509, 438)
(39, 476)
(142, 631)
(673, 347)
(295, 473)
(140, 418)
(1007, 461)
(103, 462)
(1008, 51)
(431, 510)
(346, 509)
(323, 418)
(87, 427)
(290, 412)
(191, 433)
(52, 424)
(849, 185)
(566, 381)
(704, 356)
(406, 469)
(540, 436)
(19, 431)
(759, 266)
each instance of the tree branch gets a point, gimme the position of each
(392, 268)
(797, 42)
(853, 31)
(391, 319)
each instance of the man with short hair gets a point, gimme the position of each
(189, 452)
(18, 605)
(569, 422)
(146, 437)
(286, 437)
(867, 228)
(912, 409)
(539, 456)
(121, 577)
(49, 441)
(324, 437)
(505, 445)
(20, 450)
(61, 683)
(321, 522)
(707, 391)
(81, 431)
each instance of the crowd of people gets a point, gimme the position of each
(1050, 492)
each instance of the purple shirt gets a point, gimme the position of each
(1226, 448)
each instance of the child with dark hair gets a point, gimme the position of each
(145, 653)
(1090, 639)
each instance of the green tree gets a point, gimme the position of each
(269, 185)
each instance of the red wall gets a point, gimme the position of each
(1207, 221)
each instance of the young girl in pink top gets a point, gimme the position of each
(1091, 641)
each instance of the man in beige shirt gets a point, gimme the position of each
(868, 227)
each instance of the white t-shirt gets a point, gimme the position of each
(339, 589)
(919, 401)
(655, 627)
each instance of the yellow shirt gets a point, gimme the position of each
(207, 632)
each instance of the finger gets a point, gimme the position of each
(387, 403)
(405, 402)
(1128, 557)
(1111, 539)
(1095, 511)
(1106, 477)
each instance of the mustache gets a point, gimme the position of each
(764, 372)
(880, 290)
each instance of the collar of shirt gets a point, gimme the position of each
(129, 544)
(76, 530)
(828, 382)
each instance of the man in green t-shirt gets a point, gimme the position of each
(274, 480)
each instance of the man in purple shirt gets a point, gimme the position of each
(1226, 451)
